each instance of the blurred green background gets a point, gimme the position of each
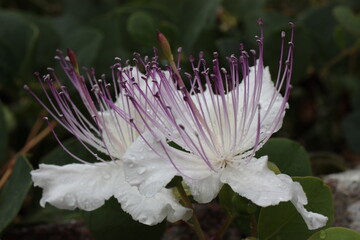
(324, 114)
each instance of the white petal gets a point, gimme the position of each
(206, 189)
(152, 210)
(151, 171)
(87, 186)
(256, 182)
(312, 220)
(267, 93)
(117, 133)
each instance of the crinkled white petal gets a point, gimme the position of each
(255, 181)
(152, 210)
(206, 189)
(151, 171)
(263, 187)
(87, 186)
(312, 220)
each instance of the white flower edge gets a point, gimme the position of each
(87, 186)
(255, 181)
(252, 179)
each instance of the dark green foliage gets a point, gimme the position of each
(110, 221)
(324, 104)
(14, 192)
(284, 222)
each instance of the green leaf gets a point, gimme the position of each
(226, 196)
(3, 136)
(14, 191)
(111, 222)
(48, 41)
(83, 10)
(305, 48)
(348, 19)
(336, 233)
(142, 28)
(234, 204)
(195, 15)
(326, 162)
(284, 222)
(241, 8)
(17, 39)
(85, 42)
(351, 131)
(58, 156)
(49, 214)
(115, 44)
(290, 157)
(320, 22)
(340, 36)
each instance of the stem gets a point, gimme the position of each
(344, 53)
(196, 224)
(36, 128)
(28, 146)
(253, 225)
(224, 227)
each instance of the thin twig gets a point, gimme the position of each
(36, 127)
(196, 224)
(224, 227)
(344, 53)
(28, 146)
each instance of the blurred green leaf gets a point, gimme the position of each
(290, 157)
(115, 44)
(64, 24)
(142, 28)
(49, 39)
(340, 37)
(303, 51)
(247, 13)
(284, 222)
(83, 10)
(49, 214)
(194, 16)
(326, 162)
(336, 233)
(350, 85)
(85, 42)
(3, 136)
(14, 191)
(245, 7)
(320, 22)
(58, 156)
(17, 39)
(225, 197)
(351, 129)
(111, 222)
(348, 19)
(234, 204)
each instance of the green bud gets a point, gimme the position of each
(73, 60)
(272, 166)
(164, 43)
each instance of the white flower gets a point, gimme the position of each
(87, 185)
(209, 134)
